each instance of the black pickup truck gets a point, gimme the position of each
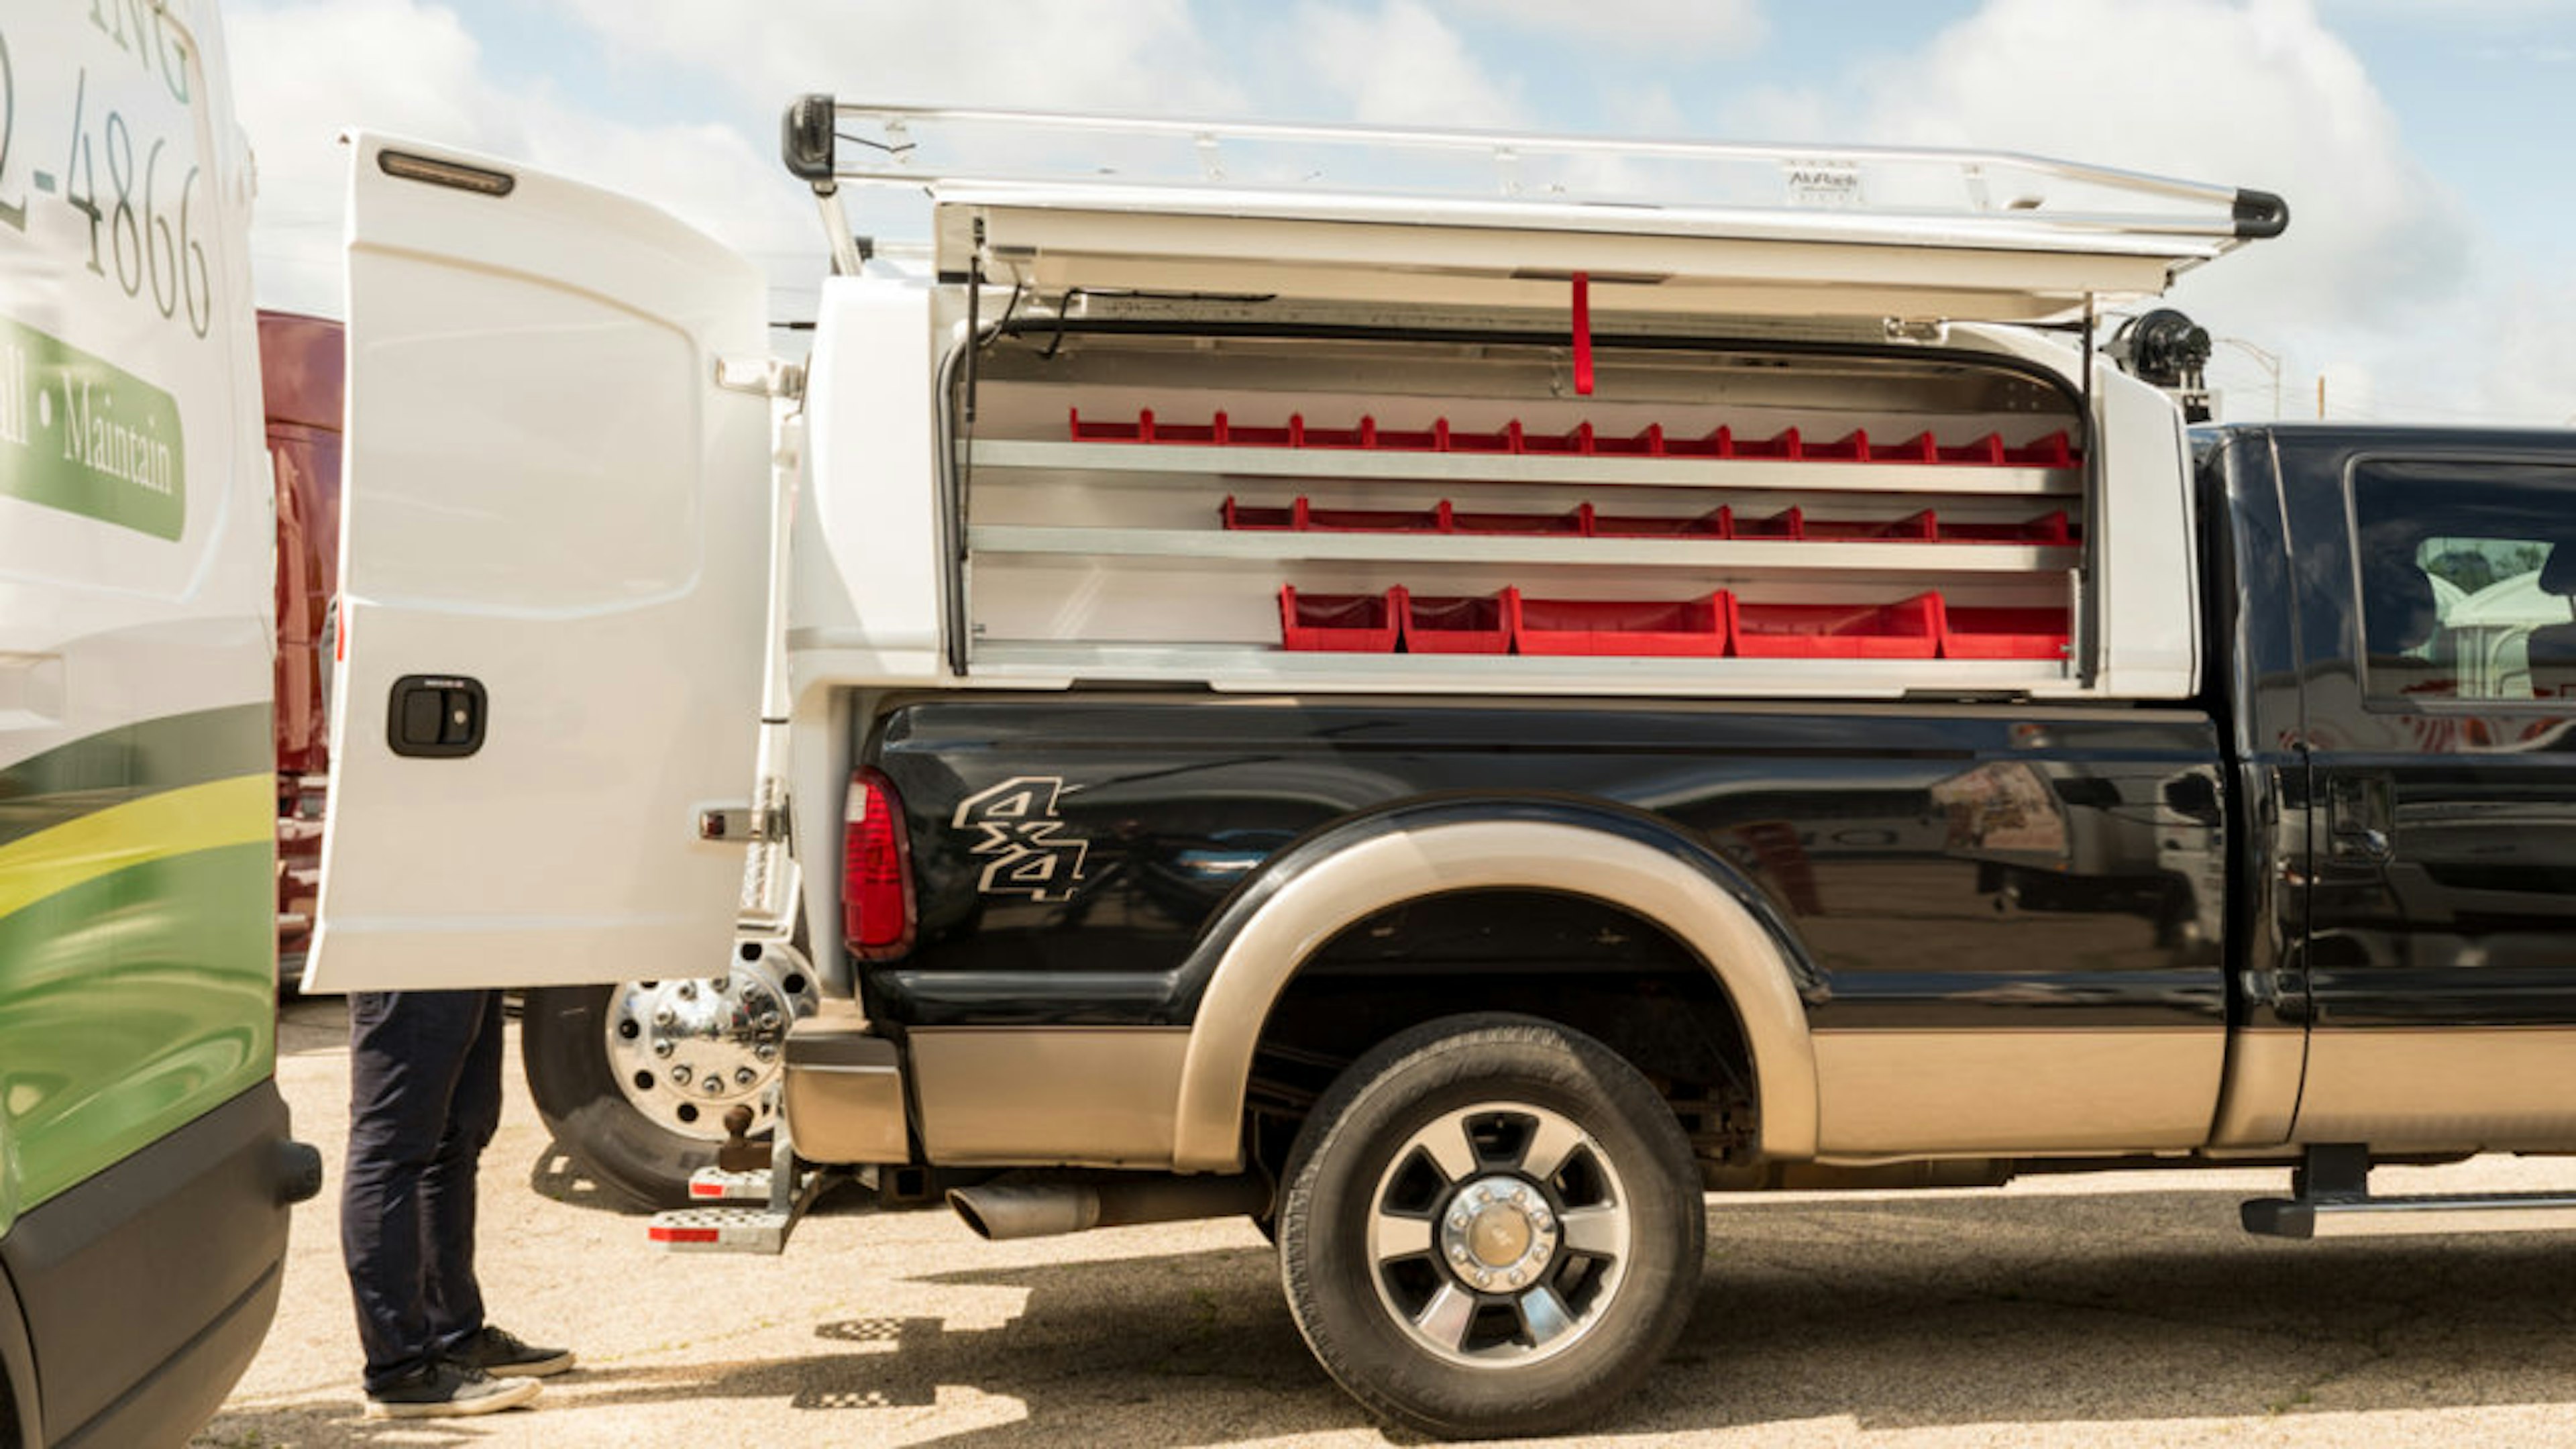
(1566, 963)
(1447, 722)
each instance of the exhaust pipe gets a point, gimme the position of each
(1009, 1208)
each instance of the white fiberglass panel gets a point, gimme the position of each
(558, 520)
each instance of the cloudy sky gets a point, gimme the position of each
(2429, 273)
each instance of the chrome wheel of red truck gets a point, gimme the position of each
(1492, 1225)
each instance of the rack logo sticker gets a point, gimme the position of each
(1028, 852)
(80, 434)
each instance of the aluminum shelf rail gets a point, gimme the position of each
(1937, 196)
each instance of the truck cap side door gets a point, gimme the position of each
(553, 583)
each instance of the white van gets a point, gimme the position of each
(145, 1168)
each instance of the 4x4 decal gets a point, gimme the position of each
(1028, 852)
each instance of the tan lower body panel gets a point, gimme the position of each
(2441, 1089)
(2039, 1091)
(2262, 1097)
(1048, 1096)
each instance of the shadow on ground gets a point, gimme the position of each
(1894, 1314)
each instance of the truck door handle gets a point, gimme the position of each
(2358, 816)
(435, 717)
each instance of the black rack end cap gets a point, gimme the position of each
(805, 139)
(2260, 214)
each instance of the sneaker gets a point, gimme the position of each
(498, 1352)
(447, 1391)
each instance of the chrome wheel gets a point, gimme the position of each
(1498, 1234)
(684, 1053)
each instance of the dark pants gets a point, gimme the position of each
(424, 1099)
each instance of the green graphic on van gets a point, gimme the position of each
(83, 435)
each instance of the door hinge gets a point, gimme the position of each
(760, 376)
(742, 822)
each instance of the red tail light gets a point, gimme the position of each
(876, 870)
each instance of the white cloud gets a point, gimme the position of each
(1659, 26)
(1400, 64)
(2382, 273)
(305, 72)
(1114, 55)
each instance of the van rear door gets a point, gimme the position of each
(554, 554)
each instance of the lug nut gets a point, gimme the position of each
(715, 1083)
(681, 1074)
(665, 1017)
(664, 1046)
(765, 1052)
(688, 991)
(745, 1075)
(769, 1021)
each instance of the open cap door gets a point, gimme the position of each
(1372, 217)
(553, 564)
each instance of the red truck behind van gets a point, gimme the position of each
(300, 370)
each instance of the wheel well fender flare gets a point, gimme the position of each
(1335, 880)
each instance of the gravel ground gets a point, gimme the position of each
(2116, 1310)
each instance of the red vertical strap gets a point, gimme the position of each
(1583, 334)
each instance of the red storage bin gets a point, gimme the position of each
(2051, 451)
(2050, 529)
(1348, 623)
(1716, 443)
(1907, 629)
(1595, 627)
(1284, 436)
(1974, 633)
(1917, 449)
(1787, 523)
(1920, 527)
(1785, 444)
(1371, 520)
(1578, 441)
(1474, 625)
(1140, 431)
(1264, 518)
(1716, 523)
(1577, 524)
(1987, 451)
(1647, 444)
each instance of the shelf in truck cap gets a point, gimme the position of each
(1725, 556)
(1747, 473)
(1242, 667)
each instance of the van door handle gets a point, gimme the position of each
(435, 717)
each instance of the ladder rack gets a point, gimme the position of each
(1885, 195)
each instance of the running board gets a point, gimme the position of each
(2330, 1198)
(2389, 1217)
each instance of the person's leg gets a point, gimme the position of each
(405, 1052)
(453, 1295)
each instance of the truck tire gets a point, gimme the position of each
(561, 1035)
(1492, 1226)
(635, 1080)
